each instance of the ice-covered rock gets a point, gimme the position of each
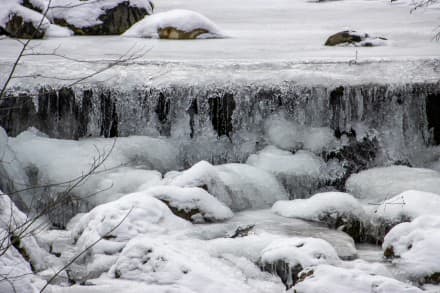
(337, 210)
(176, 24)
(192, 203)
(291, 136)
(327, 278)
(239, 186)
(413, 248)
(379, 184)
(302, 173)
(102, 17)
(355, 38)
(288, 257)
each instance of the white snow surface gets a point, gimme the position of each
(193, 198)
(320, 204)
(326, 278)
(409, 205)
(184, 20)
(56, 31)
(415, 244)
(239, 186)
(379, 184)
(85, 14)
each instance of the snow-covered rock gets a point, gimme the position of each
(379, 184)
(192, 203)
(188, 267)
(302, 173)
(18, 21)
(175, 24)
(56, 31)
(288, 257)
(355, 38)
(413, 248)
(239, 186)
(337, 210)
(327, 278)
(101, 17)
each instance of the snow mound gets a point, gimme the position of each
(192, 203)
(326, 278)
(143, 214)
(409, 205)
(378, 184)
(414, 248)
(184, 23)
(302, 173)
(320, 206)
(80, 14)
(291, 136)
(239, 186)
(187, 266)
(56, 31)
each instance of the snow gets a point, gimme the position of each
(409, 205)
(306, 252)
(302, 173)
(192, 198)
(326, 278)
(336, 204)
(184, 20)
(415, 246)
(379, 184)
(290, 136)
(82, 14)
(239, 186)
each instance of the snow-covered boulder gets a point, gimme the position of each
(414, 249)
(337, 210)
(18, 21)
(176, 24)
(379, 184)
(288, 257)
(137, 213)
(187, 266)
(302, 173)
(239, 186)
(192, 203)
(101, 17)
(327, 278)
(355, 38)
(404, 207)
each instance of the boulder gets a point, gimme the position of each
(99, 18)
(350, 37)
(17, 21)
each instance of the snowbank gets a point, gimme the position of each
(302, 173)
(175, 24)
(326, 278)
(413, 248)
(378, 184)
(192, 203)
(291, 136)
(239, 186)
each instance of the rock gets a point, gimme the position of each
(173, 33)
(21, 27)
(111, 21)
(350, 37)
